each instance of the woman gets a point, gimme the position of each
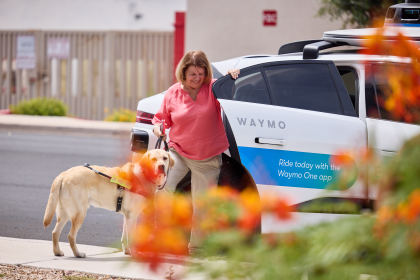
(197, 136)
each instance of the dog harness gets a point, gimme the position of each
(119, 187)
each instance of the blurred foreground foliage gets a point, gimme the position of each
(382, 245)
(122, 115)
(40, 106)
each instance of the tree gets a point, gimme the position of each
(355, 13)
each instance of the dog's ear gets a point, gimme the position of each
(171, 161)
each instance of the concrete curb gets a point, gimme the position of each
(63, 124)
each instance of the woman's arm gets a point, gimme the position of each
(162, 119)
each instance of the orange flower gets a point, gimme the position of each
(342, 159)
(278, 205)
(413, 207)
(163, 229)
(249, 221)
(402, 213)
(250, 201)
(215, 207)
(403, 98)
(148, 169)
(182, 211)
(164, 225)
(156, 243)
(374, 44)
(384, 215)
(268, 202)
(409, 211)
(283, 209)
(172, 241)
(367, 155)
(250, 218)
(214, 220)
(222, 193)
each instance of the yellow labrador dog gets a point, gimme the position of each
(75, 189)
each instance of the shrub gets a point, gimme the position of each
(122, 115)
(40, 107)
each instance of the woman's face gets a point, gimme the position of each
(194, 77)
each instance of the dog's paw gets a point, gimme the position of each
(59, 253)
(127, 252)
(81, 255)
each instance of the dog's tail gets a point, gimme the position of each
(52, 200)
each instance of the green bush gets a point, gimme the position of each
(122, 115)
(40, 107)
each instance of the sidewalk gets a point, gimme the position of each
(99, 260)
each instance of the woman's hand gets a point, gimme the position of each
(157, 130)
(234, 73)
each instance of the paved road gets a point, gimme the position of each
(29, 161)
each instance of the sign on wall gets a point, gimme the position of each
(25, 52)
(269, 17)
(58, 48)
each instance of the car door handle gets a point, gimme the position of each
(270, 141)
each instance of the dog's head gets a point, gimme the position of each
(155, 165)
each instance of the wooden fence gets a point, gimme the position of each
(93, 73)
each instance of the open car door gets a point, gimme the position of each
(285, 121)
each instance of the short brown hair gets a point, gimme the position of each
(194, 58)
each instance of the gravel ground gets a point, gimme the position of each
(20, 272)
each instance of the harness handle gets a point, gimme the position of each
(159, 143)
(87, 165)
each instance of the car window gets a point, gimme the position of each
(310, 85)
(304, 86)
(372, 108)
(248, 87)
(377, 89)
(350, 79)
(251, 88)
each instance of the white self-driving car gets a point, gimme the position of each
(287, 114)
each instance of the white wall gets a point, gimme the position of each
(89, 14)
(229, 28)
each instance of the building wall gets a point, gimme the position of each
(225, 29)
(155, 15)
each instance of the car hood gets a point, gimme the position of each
(150, 104)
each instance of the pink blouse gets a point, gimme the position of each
(197, 130)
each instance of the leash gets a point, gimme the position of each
(161, 137)
(159, 143)
(119, 187)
